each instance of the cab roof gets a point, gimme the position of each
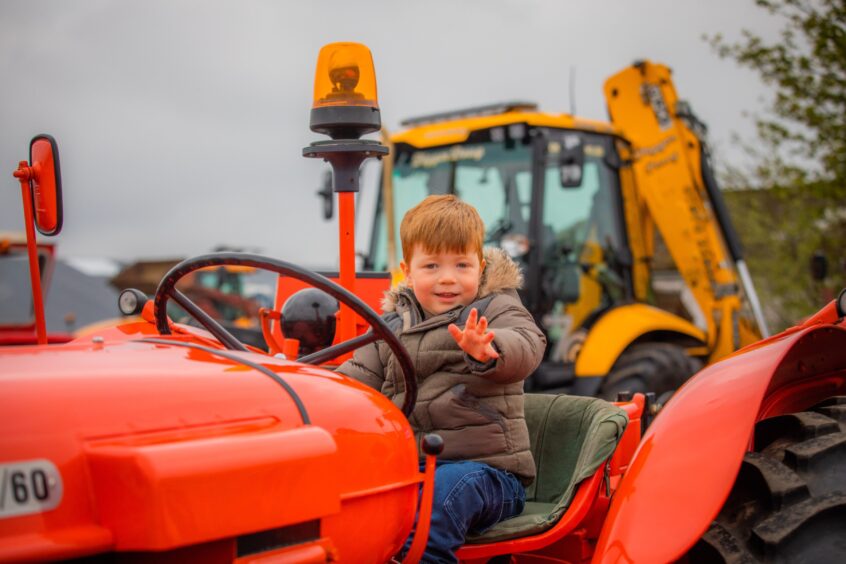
(455, 127)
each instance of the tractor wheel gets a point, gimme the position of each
(649, 367)
(788, 503)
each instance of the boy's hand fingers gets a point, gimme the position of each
(475, 339)
(471, 320)
(456, 333)
(491, 352)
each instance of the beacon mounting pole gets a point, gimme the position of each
(345, 108)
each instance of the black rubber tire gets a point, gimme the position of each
(649, 367)
(788, 503)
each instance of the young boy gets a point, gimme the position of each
(470, 373)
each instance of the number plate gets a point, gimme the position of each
(30, 486)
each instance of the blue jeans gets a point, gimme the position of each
(470, 497)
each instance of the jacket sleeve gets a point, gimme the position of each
(518, 340)
(365, 366)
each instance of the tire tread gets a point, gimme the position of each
(787, 491)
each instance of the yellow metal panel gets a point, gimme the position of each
(642, 102)
(618, 328)
(639, 227)
(458, 130)
(590, 296)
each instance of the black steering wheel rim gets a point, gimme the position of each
(167, 289)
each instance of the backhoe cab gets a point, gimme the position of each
(631, 264)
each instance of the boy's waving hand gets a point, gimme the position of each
(475, 340)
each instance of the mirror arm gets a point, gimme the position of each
(25, 173)
(345, 156)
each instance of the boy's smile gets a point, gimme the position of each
(442, 281)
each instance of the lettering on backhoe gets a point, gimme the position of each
(29, 486)
(431, 159)
(654, 149)
(652, 165)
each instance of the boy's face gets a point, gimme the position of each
(441, 281)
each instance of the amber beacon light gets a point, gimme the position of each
(345, 102)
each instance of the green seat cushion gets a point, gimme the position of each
(571, 436)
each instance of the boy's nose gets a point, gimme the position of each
(446, 275)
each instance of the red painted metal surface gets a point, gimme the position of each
(346, 245)
(688, 459)
(160, 447)
(572, 537)
(317, 552)
(17, 337)
(370, 289)
(585, 495)
(421, 533)
(45, 187)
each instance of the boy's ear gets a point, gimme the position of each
(405, 272)
(482, 266)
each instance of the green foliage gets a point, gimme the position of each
(793, 202)
(781, 229)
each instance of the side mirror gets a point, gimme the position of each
(567, 282)
(41, 189)
(571, 162)
(46, 183)
(327, 193)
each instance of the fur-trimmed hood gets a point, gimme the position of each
(501, 273)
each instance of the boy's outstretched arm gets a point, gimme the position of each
(517, 343)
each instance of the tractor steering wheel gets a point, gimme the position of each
(379, 330)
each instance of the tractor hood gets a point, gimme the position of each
(688, 460)
(129, 444)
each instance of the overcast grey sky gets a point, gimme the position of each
(181, 123)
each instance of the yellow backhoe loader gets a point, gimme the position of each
(631, 263)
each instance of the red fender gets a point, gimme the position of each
(686, 464)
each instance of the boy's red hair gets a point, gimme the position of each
(442, 224)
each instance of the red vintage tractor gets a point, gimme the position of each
(163, 442)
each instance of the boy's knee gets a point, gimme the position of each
(467, 493)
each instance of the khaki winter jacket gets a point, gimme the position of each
(477, 408)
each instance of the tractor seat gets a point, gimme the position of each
(571, 436)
